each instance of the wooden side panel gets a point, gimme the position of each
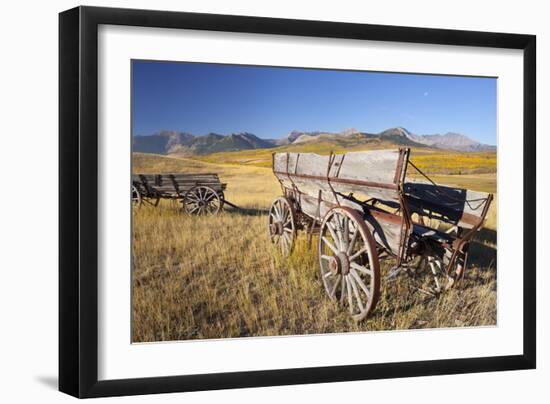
(458, 206)
(312, 187)
(164, 183)
(374, 169)
(376, 165)
(386, 232)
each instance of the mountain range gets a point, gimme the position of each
(172, 142)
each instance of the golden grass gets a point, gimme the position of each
(219, 277)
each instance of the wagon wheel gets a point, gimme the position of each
(442, 278)
(348, 261)
(201, 200)
(136, 197)
(282, 224)
(456, 272)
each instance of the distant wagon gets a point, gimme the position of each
(365, 210)
(199, 194)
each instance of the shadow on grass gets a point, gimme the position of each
(483, 251)
(245, 211)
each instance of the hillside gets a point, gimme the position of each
(186, 144)
(170, 142)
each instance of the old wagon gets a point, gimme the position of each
(199, 194)
(365, 210)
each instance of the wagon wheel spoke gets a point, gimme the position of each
(284, 215)
(351, 244)
(209, 198)
(350, 299)
(358, 253)
(344, 285)
(359, 281)
(332, 293)
(352, 280)
(192, 197)
(334, 236)
(340, 232)
(277, 208)
(335, 233)
(345, 233)
(361, 268)
(330, 245)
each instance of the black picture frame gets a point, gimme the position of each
(78, 201)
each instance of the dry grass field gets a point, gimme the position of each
(219, 277)
(431, 161)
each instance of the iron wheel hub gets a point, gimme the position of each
(277, 228)
(339, 264)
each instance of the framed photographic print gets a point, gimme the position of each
(251, 201)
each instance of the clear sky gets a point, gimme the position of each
(270, 102)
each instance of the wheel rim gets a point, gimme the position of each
(136, 197)
(201, 201)
(348, 261)
(282, 225)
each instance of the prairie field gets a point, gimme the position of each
(428, 160)
(219, 277)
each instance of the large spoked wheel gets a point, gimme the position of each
(349, 263)
(136, 197)
(202, 201)
(282, 225)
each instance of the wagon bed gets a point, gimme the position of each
(199, 193)
(366, 196)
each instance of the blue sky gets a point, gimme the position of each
(270, 102)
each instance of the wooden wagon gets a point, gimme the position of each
(199, 194)
(365, 210)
